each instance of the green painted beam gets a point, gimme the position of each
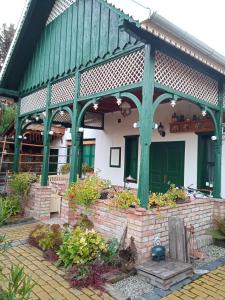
(17, 139)
(146, 122)
(9, 93)
(218, 144)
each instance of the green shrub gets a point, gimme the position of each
(20, 183)
(87, 191)
(124, 200)
(86, 168)
(65, 169)
(19, 286)
(81, 247)
(8, 207)
(218, 233)
(46, 237)
(111, 256)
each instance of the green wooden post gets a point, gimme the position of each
(146, 121)
(17, 139)
(47, 127)
(74, 162)
(218, 145)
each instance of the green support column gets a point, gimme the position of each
(47, 128)
(74, 163)
(17, 139)
(146, 121)
(218, 145)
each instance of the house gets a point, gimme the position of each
(151, 97)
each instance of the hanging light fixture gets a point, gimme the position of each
(51, 132)
(119, 101)
(125, 109)
(173, 103)
(95, 106)
(204, 112)
(213, 138)
(37, 118)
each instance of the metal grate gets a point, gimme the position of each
(172, 73)
(59, 7)
(63, 90)
(93, 120)
(119, 72)
(34, 101)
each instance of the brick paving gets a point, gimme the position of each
(210, 286)
(49, 281)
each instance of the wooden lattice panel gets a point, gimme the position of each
(59, 7)
(63, 90)
(119, 72)
(65, 118)
(34, 101)
(176, 75)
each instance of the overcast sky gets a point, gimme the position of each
(203, 19)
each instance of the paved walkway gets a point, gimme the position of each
(49, 281)
(208, 287)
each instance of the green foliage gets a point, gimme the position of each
(124, 200)
(6, 117)
(19, 286)
(65, 169)
(218, 233)
(46, 237)
(4, 244)
(6, 37)
(169, 198)
(111, 256)
(20, 183)
(87, 191)
(9, 206)
(86, 168)
(81, 247)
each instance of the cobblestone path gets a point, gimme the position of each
(208, 287)
(49, 281)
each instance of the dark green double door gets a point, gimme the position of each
(166, 165)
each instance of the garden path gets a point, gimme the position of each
(49, 281)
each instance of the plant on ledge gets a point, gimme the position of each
(87, 191)
(124, 200)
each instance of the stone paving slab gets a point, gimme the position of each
(49, 281)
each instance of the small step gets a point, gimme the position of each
(164, 274)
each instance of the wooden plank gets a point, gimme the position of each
(95, 35)
(113, 32)
(68, 38)
(80, 33)
(74, 37)
(52, 50)
(177, 239)
(104, 31)
(87, 31)
(57, 23)
(64, 17)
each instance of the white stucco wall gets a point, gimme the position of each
(113, 136)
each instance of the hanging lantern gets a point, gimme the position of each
(125, 109)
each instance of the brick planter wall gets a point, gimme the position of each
(145, 225)
(38, 204)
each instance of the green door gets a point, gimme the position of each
(88, 155)
(166, 165)
(131, 157)
(53, 161)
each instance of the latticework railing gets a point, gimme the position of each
(59, 7)
(34, 101)
(119, 72)
(174, 74)
(63, 90)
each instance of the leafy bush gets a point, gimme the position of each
(218, 233)
(9, 206)
(87, 191)
(124, 200)
(20, 184)
(88, 276)
(19, 286)
(86, 168)
(81, 247)
(111, 256)
(169, 198)
(46, 237)
(8, 116)
(65, 169)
